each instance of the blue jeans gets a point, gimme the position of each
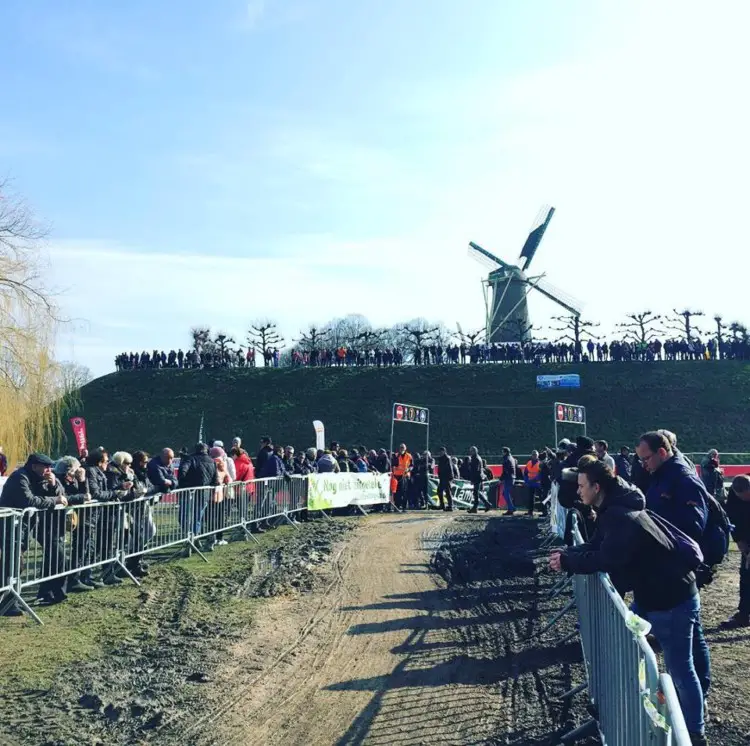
(508, 495)
(680, 635)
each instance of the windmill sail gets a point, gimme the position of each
(568, 302)
(536, 235)
(484, 257)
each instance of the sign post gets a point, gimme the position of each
(409, 413)
(573, 414)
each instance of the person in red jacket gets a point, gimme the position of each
(243, 465)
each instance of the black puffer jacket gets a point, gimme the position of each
(635, 552)
(198, 470)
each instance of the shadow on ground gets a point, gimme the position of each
(469, 658)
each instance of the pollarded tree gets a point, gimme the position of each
(264, 337)
(683, 324)
(574, 329)
(643, 327)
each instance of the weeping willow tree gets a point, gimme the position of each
(31, 399)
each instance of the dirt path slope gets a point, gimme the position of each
(392, 654)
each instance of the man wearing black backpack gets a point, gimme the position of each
(676, 493)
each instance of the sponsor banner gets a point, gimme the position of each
(327, 491)
(320, 435)
(79, 433)
(411, 413)
(567, 381)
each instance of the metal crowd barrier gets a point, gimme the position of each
(633, 705)
(39, 548)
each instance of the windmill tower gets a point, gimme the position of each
(507, 287)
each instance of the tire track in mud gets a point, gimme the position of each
(424, 639)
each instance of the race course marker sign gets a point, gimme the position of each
(411, 413)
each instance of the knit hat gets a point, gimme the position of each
(584, 444)
(217, 452)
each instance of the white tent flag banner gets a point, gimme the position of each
(320, 435)
(327, 491)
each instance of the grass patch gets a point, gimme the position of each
(182, 593)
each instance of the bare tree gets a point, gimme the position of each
(74, 376)
(28, 323)
(643, 327)
(520, 328)
(574, 329)
(314, 338)
(739, 331)
(21, 236)
(223, 342)
(682, 323)
(415, 334)
(470, 338)
(720, 329)
(344, 331)
(369, 339)
(202, 340)
(263, 336)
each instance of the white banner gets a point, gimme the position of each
(327, 491)
(320, 435)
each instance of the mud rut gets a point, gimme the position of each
(419, 637)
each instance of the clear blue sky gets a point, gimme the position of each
(213, 162)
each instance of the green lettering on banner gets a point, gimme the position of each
(316, 495)
(341, 490)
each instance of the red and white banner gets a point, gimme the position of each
(79, 433)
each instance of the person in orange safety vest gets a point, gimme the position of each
(402, 464)
(532, 475)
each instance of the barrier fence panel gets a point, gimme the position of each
(67, 540)
(9, 521)
(156, 523)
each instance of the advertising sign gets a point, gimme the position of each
(570, 413)
(566, 381)
(327, 491)
(79, 433)
(320, 435)
(411, 413)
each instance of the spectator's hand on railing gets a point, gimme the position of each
(62, 500)
(554, 562)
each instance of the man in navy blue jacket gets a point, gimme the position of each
(676, 493)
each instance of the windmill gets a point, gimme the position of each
(507, 287)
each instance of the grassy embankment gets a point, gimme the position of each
(705, 403)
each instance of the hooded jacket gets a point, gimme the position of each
(243, 467)
(677, 494)
(635, 552)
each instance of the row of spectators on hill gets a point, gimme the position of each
(453, 354)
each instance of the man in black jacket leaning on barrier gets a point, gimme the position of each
(34, 486)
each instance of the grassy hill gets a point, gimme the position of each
(490, 406)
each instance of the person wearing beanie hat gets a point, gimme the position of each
(218, 452)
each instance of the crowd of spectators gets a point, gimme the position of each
(538, 353)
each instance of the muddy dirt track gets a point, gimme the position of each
(390, 630)
(417, 639)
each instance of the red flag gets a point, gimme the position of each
(79, 433)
